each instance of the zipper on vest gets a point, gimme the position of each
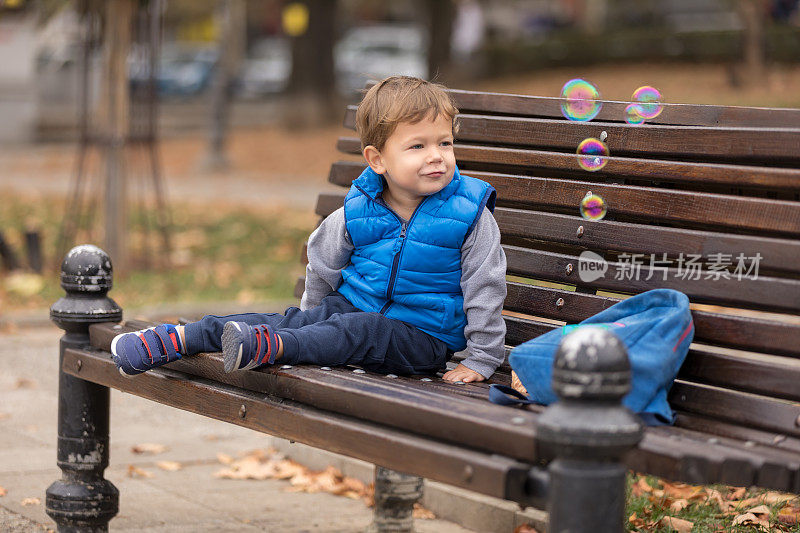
(398, 250)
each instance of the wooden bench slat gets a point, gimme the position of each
(742, 332)
(764, 375)
(559, 164)
(613, 111)
(645, 204)
(717, 428)
(776, 254)
(745, 409)
(677, 453)
(765, 293)
(698, 142)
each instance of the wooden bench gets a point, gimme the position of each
(697, 180)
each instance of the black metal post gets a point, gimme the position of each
(588, 431)
(395, 496)
(33, 245)
(82, 500)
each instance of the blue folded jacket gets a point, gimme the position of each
(656, 328)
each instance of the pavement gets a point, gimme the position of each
(190, 499)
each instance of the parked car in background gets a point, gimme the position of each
(266, 69)
(374, 52)
(183, 69)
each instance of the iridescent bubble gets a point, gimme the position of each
(633, 114)
(594, 154)
(580, 100)
(593, 207)
(649, 101)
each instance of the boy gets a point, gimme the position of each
(408, 271)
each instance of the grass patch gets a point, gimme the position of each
(654, 504)
(218, 254)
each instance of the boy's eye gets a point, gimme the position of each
(447, 143)
(416, 146)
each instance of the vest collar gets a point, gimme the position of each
(371, 183)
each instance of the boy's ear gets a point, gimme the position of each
(374, 159)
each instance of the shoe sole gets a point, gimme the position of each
(232, 341)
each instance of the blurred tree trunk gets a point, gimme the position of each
(312, 99)
(439, 21)
(114, 119)
(753, 68)
(233, 25)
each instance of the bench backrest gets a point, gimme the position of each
(720, 185)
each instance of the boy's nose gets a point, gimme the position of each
(434, 155)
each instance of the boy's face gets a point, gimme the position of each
(417, 160)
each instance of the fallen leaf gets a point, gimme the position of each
(678, 524)
(135, 471)
(525, 528)
(641, 486)
(789, 515)
(247, 468)
(678, 505)
(682, 490)
(423, 514)
(760, 510)
(771, 498)
(170, 466)
(3, 492)
(31, 501)
(637, 522)
(149, 448)
(749, 519)
(740, 505)
(224, 458)
(736, 493)
(24, 383)
(716, 496)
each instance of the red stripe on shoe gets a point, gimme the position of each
(269, 346)
(258, 345)
(149, 354)
(174, 341)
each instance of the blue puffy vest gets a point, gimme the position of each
(411, 271)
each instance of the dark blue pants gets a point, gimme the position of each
(335, 333)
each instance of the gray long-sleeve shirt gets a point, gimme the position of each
(483, 283)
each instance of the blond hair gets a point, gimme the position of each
(399, 99)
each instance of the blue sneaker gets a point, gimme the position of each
(139, 351)
(246, 346)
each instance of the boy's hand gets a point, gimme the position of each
(462, 373)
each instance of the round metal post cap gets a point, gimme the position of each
(86, 268)
(591, 363)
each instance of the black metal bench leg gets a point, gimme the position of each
(82, 500)
(588, 431)
(395, 496)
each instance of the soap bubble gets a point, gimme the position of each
(593, 207)
(633, 114)
(648, 100)
(594, 154)
(580, 100)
